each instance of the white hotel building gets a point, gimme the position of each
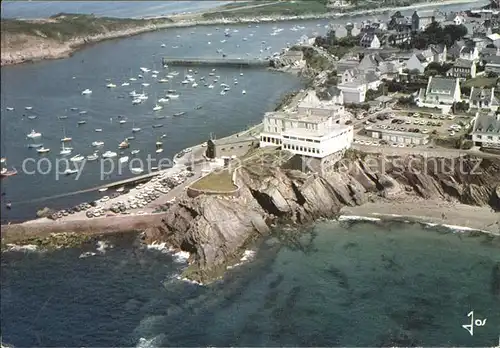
(308, 135)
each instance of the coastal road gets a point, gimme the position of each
(428, 152)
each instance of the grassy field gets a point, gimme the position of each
(216, 181)
(66, 26)
(286, 8)
(482, 81)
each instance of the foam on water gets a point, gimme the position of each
(86, 254)
(102, 246)
(357, 218)
(158, 246)
(248, 256)
(23, 248)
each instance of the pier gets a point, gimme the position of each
(243, 63)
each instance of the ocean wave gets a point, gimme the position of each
(86, 254)
(102, 246)
(357, 218)
(248, 256)
(179, 256)
(186, 280)
(455, 228)
(23, 248)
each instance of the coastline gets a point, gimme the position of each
(457, 216)
(47, 49)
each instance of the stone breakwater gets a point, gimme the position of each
(214, 229)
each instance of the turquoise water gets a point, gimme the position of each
(348, 284)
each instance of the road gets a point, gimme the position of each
(428, 152)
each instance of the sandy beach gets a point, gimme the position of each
(431, 211)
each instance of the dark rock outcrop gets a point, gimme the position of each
(214, 229)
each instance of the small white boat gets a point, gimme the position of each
(66, 139)
(28, 107)
(123, 159)
(42, 150)
(163, 45)
(81, 122)
(135, 152)
(182, 113)
(83, 112)
(140, 76)
(185, 82)
(210, 86)
(145, 84)
(133, 94)
(243, 92)
(136, 101)
(111, 85)
(163, 100)
(154, 76)
(77, 158)
(194, 85)
(222, 93)
(155, 72)
(64, 151)
(104, 189)
(123, 121)
(241, 74)
(34, 134)
(173, 96)
(159, 150)
(92, 157)
(125, 84)
(159, 143)
(86, 92)
(9, 108)
(97, 143)
(163, 80)
(70, 171)
(132, 79)
(157, 107)
(109, 154)
(227, 89)
(120, 189)
(136, 129)
(142, 97)
(98, 129)
(32, 117)
(144, 70)
(136, 170)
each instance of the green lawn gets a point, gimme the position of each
(481, 81)
(217, 181)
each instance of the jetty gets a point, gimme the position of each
(243, 63)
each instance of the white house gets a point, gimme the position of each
(355, 83)
(486, 131)
(483, 99)
(469, 53)
(370, 40)
(313, 105)
(440, 93)
(463, 69)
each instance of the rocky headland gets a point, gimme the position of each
(60, 35)
(215, 230)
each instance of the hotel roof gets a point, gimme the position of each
(311, 133)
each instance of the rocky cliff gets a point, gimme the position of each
(215, 229)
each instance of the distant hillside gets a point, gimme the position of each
(58, 36)
(64, 26)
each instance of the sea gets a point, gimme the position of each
(349, 283)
